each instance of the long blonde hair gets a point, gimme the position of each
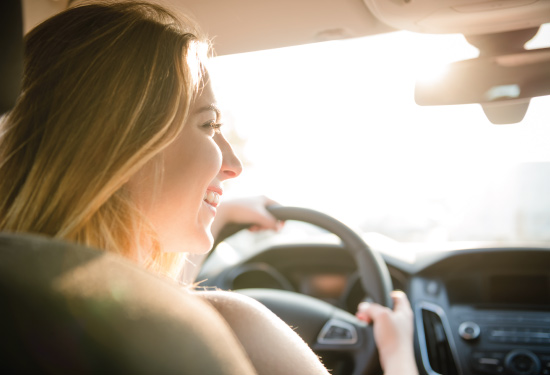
(106, 87)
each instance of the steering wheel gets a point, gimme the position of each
(322, 326)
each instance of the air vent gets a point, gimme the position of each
(436, 343)
(438, 350)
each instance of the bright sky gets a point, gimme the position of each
(334, 127)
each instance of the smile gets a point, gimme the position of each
(212, 198)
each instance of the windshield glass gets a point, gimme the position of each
(334, 127)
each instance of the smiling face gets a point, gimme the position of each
(183, 206)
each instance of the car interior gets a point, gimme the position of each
(481, 304)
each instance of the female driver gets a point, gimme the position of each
(116, 143)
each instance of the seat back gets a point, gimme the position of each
(67, 309)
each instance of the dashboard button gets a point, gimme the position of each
(469, 331)
(488, 362)
(432, 288)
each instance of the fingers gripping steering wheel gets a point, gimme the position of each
(322, 326)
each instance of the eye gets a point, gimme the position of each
(213, 127)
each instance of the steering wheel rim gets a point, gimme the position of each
(374, 276)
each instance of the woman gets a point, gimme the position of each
(116, 143)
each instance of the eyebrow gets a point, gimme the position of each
(210, 108)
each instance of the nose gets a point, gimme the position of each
(231, 164)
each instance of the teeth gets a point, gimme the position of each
(212, 198)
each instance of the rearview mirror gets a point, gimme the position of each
(492, 81)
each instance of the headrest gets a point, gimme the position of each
(11, 50)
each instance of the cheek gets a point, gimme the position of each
(188, 170)
(202, 159)
(142, 185)
(184, 222)
(175, 205)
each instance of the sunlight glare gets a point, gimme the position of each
(333, 126)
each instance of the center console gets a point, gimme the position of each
(484, 323)
(502, 342)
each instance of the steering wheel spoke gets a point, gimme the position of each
(337, 332)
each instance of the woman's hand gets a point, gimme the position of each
(393, 333)
(249, 210)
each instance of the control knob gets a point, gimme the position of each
(469, 331)
(522, 362)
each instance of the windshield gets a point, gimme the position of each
(334, 127)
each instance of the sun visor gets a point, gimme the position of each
(461, 16)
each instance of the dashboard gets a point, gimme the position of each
(478, 310)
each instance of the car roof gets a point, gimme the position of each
(248, 25)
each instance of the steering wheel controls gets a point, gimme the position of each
(337, 332)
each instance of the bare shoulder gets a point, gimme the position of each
(232, 303)
(271, 344)
(244, 313)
